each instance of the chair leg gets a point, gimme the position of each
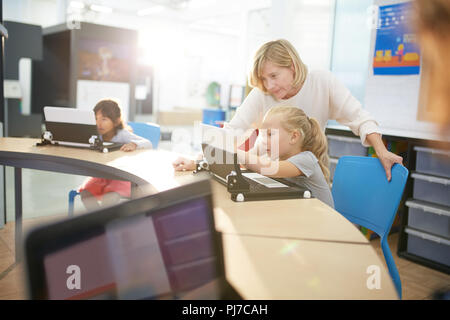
(393, 271)
(72, 195)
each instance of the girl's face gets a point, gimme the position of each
(105, 125)
(278, 80)
(276, 140)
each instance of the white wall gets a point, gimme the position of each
(188, 55)
(40, 12)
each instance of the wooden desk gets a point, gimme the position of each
(291, 249)
(297, 219)
(273, 268)
(136, 167)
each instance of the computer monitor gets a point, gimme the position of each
(162, 246)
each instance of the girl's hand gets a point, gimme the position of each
(183, 164)
(388, 159)
(129, 147)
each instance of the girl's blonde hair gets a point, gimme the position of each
(312, 137)
(283, 54)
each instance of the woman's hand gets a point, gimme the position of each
(129, 147)
(388, 159)
(183, 164)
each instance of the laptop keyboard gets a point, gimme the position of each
(257, 187)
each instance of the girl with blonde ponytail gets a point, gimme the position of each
(292, 146)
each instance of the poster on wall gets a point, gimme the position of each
(396, 51)
(103, 72)
(103, 61)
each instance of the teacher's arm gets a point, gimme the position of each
(348, 111)
(387, 159)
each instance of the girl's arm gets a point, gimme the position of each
(128, 138)
(268, 167)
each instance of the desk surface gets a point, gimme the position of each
(297, 219)
(291, 249)
(273, 268)
(139, 167)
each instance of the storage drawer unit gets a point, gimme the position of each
(429, 217)
(345, 146)
(431, 189)
(428, 246)
(432, 161)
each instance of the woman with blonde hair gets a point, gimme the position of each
(279, 77)
(295, 149)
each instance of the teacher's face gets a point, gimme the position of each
(278, 80)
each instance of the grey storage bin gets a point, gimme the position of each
(432, 161)
(333, 164)
(428, 246)
(345, 146)
(431, 189)
(429, 217)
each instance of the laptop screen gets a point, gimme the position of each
(220, 162)
(149, 248)
(70, 126)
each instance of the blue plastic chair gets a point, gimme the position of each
(363, 195)
(148, 131)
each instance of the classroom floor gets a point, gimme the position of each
(40, 206)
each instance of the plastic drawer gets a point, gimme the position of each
(431, 189)
(429, 217)
(333, 164)
(344, 146)
(432, 161)
(428, 246)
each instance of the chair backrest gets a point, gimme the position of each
(362, 193)
(150, 131)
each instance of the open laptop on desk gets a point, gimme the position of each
(218, 151)
(162, 246)
(74, 128)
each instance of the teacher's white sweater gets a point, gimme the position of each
(322, 97)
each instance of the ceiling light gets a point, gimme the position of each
(102, 9)
(77, 4)
(151, 10)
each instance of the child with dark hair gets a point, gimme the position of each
(111, 128)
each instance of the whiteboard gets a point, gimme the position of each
(89, 92)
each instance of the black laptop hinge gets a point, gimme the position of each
(235, 181)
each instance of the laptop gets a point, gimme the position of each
(248, 185)
(222, 162)
(74, 128)
(162, 246)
